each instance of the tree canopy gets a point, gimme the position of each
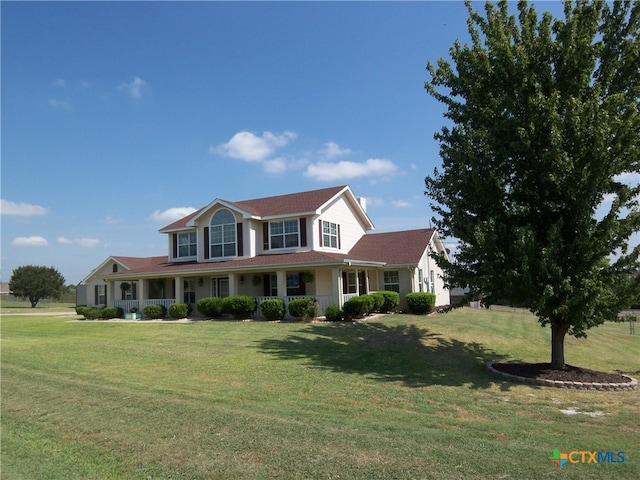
(35, 283)
(539, 180)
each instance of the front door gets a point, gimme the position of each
(220, 287)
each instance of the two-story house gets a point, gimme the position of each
(313, 243)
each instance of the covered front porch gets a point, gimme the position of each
(327, 285)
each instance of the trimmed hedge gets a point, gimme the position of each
(304, 308)
(179, 310)
(272, 309)
(154, 311)
(357, 307)
(334, 314)
(111, 312)
(95, 313)
(240, 306)
(391, 300)
(369, 302)
(378, 300)
(211, 307)
(421, 303)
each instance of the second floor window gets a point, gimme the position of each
(187, 244)
(284, 234)
(222, 235)
(330, 234)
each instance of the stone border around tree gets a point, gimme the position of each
(632, 384)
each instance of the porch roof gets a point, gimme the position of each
(137, 266)
(394, 248)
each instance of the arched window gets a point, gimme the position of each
(222, 234)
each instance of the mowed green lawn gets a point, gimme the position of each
(396, 397)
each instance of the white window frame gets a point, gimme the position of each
(227, 230)
(391, 280)
(330, 234)
(287, 231)
(191, 244)
(189, 290)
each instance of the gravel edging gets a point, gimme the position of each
(632, 384)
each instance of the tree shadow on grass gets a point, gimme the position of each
(407, 354)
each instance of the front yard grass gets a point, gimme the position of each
(397, 396)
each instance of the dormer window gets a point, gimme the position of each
(187, 244)
(285, 234)
(222, 235)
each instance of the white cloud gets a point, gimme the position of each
(113, 221)
(328, 171)
(332, 150)
(81, 242)
(249, 147)
(171, 214)
(88, 242)
(400, 203)
(30, 242)
(21, 209)
(134, 89)
(60, 82)
(375, 202)
(60, 104)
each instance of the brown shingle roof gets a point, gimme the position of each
(293, 203)
(393, 248)
(301, 202)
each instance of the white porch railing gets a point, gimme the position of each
(126, 305)
(348, 296)
(160, 301)
(323, 302)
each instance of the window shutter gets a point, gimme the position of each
(265, 236)
(106, 300)
(266, 282)
(338, 237)
(95, 295)
(303, 232)
(175, 245)
(320, 224)
(207, 247)
(240, 240)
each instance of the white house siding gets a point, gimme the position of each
(342, 213)
(428, 265)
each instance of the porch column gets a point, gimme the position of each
(111, 293)
(142, 294)
(179, 289)
(281, 279)
(336, 286)
(233, 289)
(358, 282)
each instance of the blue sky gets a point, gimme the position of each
(118, 117)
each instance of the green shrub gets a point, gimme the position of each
(378, 301)
(420, 303)
(304, 308)
(333, 314)
(240, 306)
(210, 307)
(356, 307)
(179, 310)
(369, 302)
(82, 310)
(272, 308)
(111, 312)
(93, 313)
(154, 311)
(391, 300)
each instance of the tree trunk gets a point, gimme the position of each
(557, 346)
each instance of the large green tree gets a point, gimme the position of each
(35, 283)
(540, 153)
